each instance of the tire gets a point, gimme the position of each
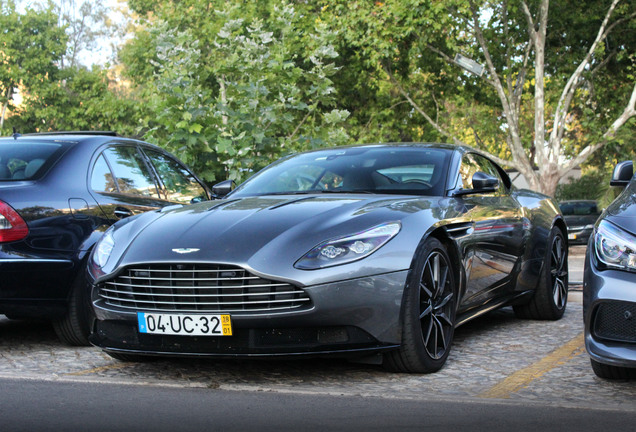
(132, 358)
(605, 371)
(551, 296)
(428, 316)
(73, 327)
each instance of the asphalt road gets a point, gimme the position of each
(33, 406)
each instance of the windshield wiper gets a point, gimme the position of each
(320, 191)
(347, 191)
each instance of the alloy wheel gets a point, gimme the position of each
(436, 305)
(559, 272)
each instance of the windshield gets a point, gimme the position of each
(26, 160)
(407, 170)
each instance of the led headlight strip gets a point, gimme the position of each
(347, 249)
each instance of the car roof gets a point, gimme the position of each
(76, 137)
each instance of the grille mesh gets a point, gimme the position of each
(616, 321)
(198, 288)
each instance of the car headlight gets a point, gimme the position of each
(347, 249)
(103, 249)
(615, 247)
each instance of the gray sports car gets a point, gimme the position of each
(377, 252)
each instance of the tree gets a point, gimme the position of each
(30, 47)
(553, 92)
(230, 91)
(80, 99)
(85, 22)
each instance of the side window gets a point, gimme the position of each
(131, 172)
(180, 184)
(102, 179)
(466, 171)
(471, 163)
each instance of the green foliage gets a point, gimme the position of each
(592, 185)
(30, 46)
(230, 95)
(80, 100)
(231, 86)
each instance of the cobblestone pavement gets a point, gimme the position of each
(494, 357)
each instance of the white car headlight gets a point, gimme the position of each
(615, 247)
(348, 249)
(103, 249)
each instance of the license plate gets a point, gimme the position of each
(571, 236)
(184, 324)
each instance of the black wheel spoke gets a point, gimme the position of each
(442, 337)
(426, 312)
(428, 332)
(446, 319)
(444, 302)
(427, 291)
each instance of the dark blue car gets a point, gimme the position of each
(58, 194)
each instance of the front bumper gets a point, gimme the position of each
(609, 313)
(346, 317)
(579, 236)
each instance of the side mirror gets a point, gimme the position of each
(222, 189)
(623, 173)
(482, 183)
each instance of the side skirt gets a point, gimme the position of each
(464, 317)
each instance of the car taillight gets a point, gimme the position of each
(12, 226)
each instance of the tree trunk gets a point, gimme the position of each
(4, 106)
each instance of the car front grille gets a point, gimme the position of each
(616, 320)
(199, 288)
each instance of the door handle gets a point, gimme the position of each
(121, 212)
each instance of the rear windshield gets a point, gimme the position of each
(27, 160)
(579, 208)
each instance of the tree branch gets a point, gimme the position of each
(421, 111)
(531, 27)
(572, 84)
(628, 112)
(514, 143)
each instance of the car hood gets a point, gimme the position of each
(622, 211)
(267, 234)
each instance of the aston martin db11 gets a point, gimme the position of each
(376, 251)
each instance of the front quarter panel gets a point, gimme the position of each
(542, 213)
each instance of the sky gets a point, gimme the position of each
(103, 52)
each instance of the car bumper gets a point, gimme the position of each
(579, 236)
(348, 317)
(609, 308)
(34, 287)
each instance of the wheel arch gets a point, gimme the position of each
(452, 248)
(560, 223)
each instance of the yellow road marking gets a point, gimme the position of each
(100, 369)
(523, 377)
